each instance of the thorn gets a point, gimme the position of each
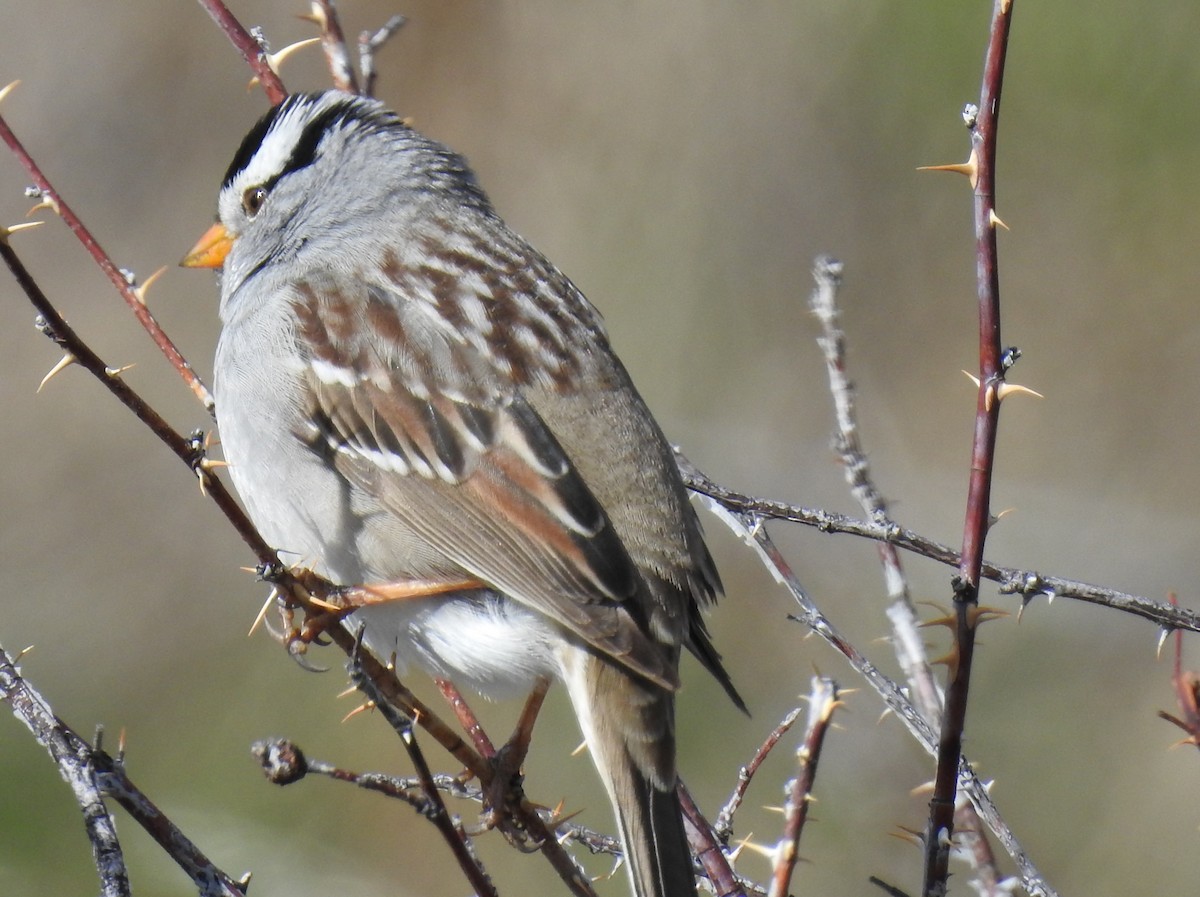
(207, 463)
(760, 849)
(994, 220)
(63, 363)
(1000, 515)
(361, 708)
(579, 750)
(346, 692)
(262, 614)
(275, 60)
(317, 16)
(972, 378)
(1005, 6)
(140, 292)
(1163, 634)
(6, 232)
(949, 621)
(981, 614)
(1021, 610)
(20, 654)
(1009, 389)
(244, 881)
(970, 168)
(47, 202)
(7, 89)
(325, 605)
(912, 836)
(117, 372)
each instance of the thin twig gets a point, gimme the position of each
(724, 824)
(908, 644)
(368, 46)
(992, 368)
(1029, 584)
(205, 875)
(704, 844)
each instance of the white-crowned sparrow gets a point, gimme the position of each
(409, 393)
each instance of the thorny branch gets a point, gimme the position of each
(992, 368)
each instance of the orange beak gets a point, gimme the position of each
(210, 250)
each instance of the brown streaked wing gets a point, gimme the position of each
(415, 414)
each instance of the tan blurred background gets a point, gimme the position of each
(683, 162)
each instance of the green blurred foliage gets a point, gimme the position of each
(683, 162)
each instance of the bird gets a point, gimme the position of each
(412, 399)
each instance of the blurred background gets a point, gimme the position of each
(683, 162)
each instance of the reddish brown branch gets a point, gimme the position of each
(128, 292)
(254, 54)
(984, 123)
(704, 844)
(823, 701)
(724, 824)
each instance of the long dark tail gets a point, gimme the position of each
(629, 727)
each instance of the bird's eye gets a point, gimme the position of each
(253, 199)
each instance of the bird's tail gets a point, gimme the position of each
(629, 727)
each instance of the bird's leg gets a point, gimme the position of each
(505, 789)
(466, 718)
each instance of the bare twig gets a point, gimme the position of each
(724, 824)
(992, 368)
(91, 773)
(252, 51)
(908, 644)
(73, 757)
(1013, 581)
(368, 46)
(209, 880)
